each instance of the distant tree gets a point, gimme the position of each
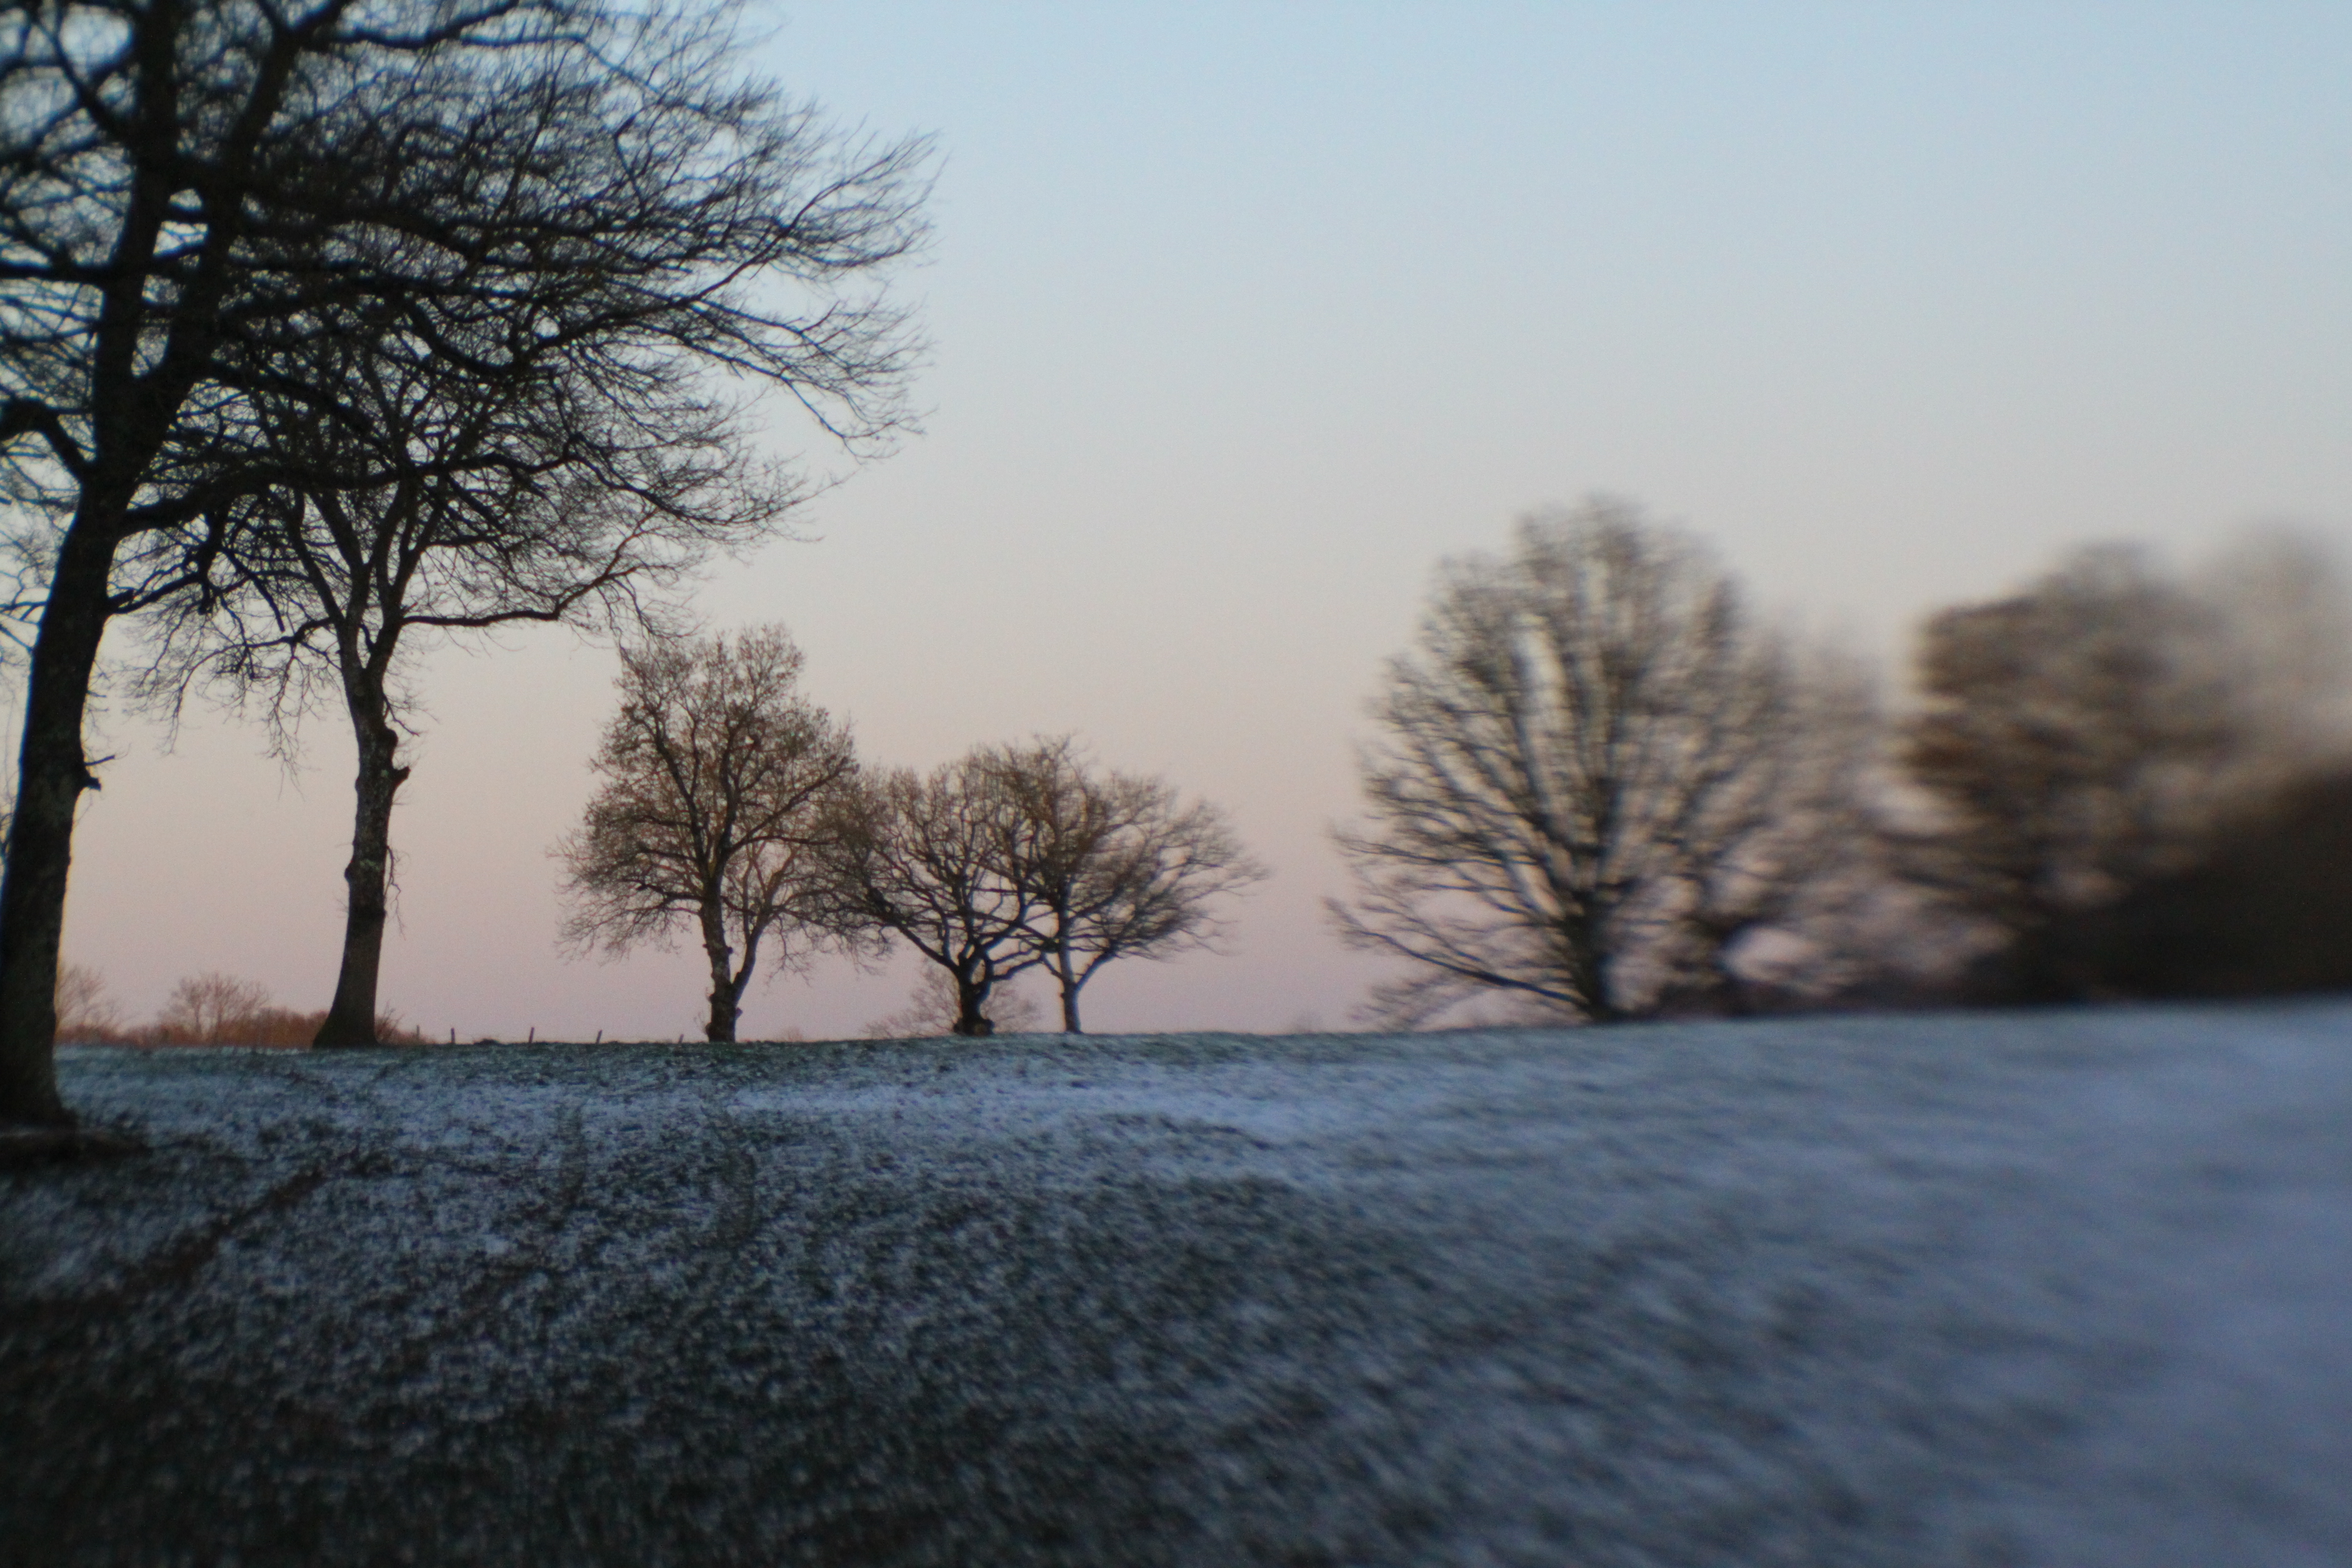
(213, 1009)
(720, 790)
(216, 1009)
(191, 195)
(2100, 733)
(1116, 866)
(1595, 773)
(86, 1013)
(923, 856)
(1788, 847)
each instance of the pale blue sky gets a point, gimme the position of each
(1242, 316)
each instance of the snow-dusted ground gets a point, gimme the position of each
(2069, 1289)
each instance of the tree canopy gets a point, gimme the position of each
(1117, 864)
(198, 200)
(2104, 752)
(1587, 775)
(720, 789)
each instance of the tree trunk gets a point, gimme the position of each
(721, 1028)
(971, 993)
(1064, 972)
(727, 983)
(1730, 992)
(1583, 955)
(52, 772)
(351, 1020)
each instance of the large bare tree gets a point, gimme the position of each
(717, 810)
(443, 504)
(1116, 865)
(192, 191)
(1579, 780)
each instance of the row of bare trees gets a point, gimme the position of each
(332, 327)
(1601, 787)
(730, 806)
(207, 1009)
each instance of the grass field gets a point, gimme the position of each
(2060, 1289)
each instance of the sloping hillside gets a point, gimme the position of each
(2063, 1289)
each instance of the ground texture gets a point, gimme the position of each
(2066, 1290)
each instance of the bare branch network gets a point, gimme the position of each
(730, 806)
(1594, 777)
(1599, 788)
(324, 329)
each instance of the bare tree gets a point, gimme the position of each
(721, 786)
(213, 1009)
(1578, 776)
(216, 1009)
(516, 499)
(1116, 865)
(923, 856)
(2090, 736)
(86, 1012)
(1789, 846)
(191, 193)
(156, 159)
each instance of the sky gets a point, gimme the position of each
(1242, 317)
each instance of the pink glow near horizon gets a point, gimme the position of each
(1242, 319)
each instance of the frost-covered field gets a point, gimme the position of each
(2068, 1289)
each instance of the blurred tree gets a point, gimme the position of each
(2073, 740)
(86, 1014)
(1116, 866)
(191, 195)
(720, 794)
(2264, 906)
(1594, 774)
(2285, 616)
(1786, 851)
(213, 1009)
(2090, 745)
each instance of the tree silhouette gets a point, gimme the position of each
(2101, 733)
(1116, 866)
(191, 194)
(719, 784)
(923, 856)
(1586, 776)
